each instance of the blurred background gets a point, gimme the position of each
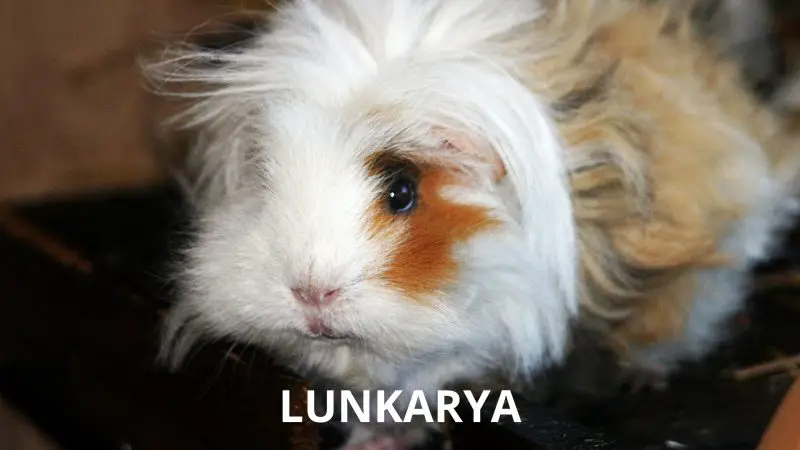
(75, 115)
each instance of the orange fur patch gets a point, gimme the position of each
(423, 262)
(636, 92)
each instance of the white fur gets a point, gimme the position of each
(283, 193)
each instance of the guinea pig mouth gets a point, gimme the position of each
(318, 329)
(330, 336)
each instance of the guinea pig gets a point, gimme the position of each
(407, 194)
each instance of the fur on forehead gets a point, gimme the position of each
(359, 132)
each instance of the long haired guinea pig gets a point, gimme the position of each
(405, 194)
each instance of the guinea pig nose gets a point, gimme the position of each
(315, 296)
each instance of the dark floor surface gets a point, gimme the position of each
(77, 347)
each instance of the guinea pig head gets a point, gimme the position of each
(397, 245)
(415, 214)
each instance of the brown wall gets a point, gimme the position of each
(74, 114)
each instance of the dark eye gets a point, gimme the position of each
(401, 194)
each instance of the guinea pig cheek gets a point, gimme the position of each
(422, 261)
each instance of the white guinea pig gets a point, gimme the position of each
(405, 194)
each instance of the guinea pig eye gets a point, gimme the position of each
(401, 195)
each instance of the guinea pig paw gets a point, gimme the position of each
(394, 439)
(380, 442)
(648, 380)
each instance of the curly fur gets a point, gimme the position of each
(641, 179)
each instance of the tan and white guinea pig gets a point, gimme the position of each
(405, 194)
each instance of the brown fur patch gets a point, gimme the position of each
(423, 261)
(660, 318)
(635, 88)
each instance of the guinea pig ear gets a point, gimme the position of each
(463, 145)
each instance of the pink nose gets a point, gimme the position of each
(315, 296)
